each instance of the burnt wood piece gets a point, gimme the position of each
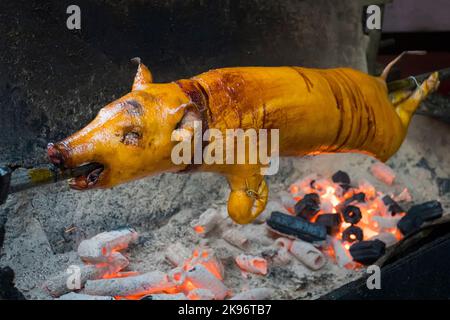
(352, 234)
(331, 221)
(418, 214)
(392, 205)
(295, 226)
(308, 206)
(358, 197)
(367, 252)
(351, 214)
(341, 178)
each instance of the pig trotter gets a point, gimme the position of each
(247, 198)
(408, 106)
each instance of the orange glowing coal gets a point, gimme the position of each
(181, 284)
(120, 274)
(333, 199)
(206, 258)
(199, 229)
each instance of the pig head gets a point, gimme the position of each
(130, 138)
(133, 137)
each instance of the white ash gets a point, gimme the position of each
(252, 264)
(167, 296)
(254, 294)
(177, 253)
(201, 278)
(387, 222)
(236, 238)
(207, 221)
(100, 247)
(343, 257)
(201, 294)
(150, 282)
(59, 284)
(383, 173)
(80, 296)
(309, 255)
(388, 238)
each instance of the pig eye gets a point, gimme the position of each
(131, 138)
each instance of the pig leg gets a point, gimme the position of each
(247, 198)
(406, 108)
(399, 96)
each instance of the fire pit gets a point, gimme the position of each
(337, 215)
(319, 233)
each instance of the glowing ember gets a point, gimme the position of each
(371, 215)
(350, 224)
(206, 258)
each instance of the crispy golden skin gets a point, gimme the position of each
(316, 111)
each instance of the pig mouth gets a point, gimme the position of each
(86, 176)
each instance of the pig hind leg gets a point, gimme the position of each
(408, 106)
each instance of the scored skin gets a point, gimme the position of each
(316, 111)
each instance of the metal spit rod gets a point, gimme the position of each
(19, 179)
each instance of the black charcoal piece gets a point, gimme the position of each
(308, 206)
(367, 252)
(341, 177)
(351, 214)
(409, 224)
(331, 221)
(352, 234)
(358, 197)
(418, 214)
(392, 205)
(429, 210)
(295, 226)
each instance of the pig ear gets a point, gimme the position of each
(143, 75)
(187, 125)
